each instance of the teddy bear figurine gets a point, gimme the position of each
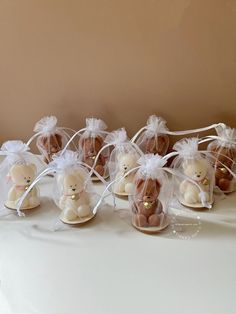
(50, 138)
(146, 206)
(223, 156)
(22, 176)
(75, 202)
(90, 147)
(157, 145)
(50, 144)
(198, 171)
(126, 162)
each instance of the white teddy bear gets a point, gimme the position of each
(197, 170)
(75, 201)
(126, 162)
(22, 176)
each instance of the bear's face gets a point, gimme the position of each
(126, 162)
(157, 145)
(22, 174)
(148, 190)
(52, 143)
(196, 169)
(92, 145)
(73, 184)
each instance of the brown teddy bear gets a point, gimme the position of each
(157, 145)
(224, 156)
(90, 147)
(146, 207)
(50, 145)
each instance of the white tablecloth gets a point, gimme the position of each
(107, 267)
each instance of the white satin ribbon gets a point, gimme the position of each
(216, 137)
(185, 132)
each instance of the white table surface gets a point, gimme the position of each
(107, 267)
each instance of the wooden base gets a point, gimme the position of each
(196, 206)
(153, 230)
(228, 192)
(96, 179)
(123, 195)
(22, 208)
(78, 221)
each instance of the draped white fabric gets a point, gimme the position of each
(107, 267)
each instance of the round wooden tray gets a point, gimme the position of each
(78, 221)
(22, 208)
(197, 206)
(153, 230)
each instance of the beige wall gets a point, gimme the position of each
(117, 59)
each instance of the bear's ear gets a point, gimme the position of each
(139, 182)
(99, 139)
(43, 140)
(58, 139)
(204, 163)
(162, 138)
(163, 141)
(33, 167)
(119, 156)
(214, 149)
(15, 170)
(81, 175)
(60, 179)
(158, 185)
(185, 164)
(83, 141)
(232, 153)
(150, 139)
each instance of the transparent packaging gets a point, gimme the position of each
(73, 190)
(50, 139)
(152, 195)
(91, 142)
(223, 150)
(196, 166)
(123, 158)
(153, 138)
(17, 171)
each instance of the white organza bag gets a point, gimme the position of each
(91, 141)
(152, 194)
(73, 190)
(123, 158)
(195, 164)
(223, 151)
(153, 138)
(17, 171)
(50, 138)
